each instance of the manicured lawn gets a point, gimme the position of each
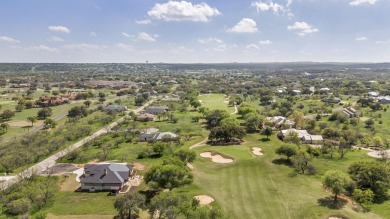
(83, 203)
(260, 187)
(215, 101)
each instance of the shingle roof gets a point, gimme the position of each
(106, 173)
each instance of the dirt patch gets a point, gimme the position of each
(204, 199)
(216, 158)
(257, 151)
(139, 166)
(19, 123)
(379, 154)
(61, 168)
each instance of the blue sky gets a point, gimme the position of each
(194, 31)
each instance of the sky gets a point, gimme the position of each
(192, 31)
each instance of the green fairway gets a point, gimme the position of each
(258, 187)
(215, 101)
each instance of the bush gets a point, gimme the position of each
(311, 170)
(142, 155)
(18, 206)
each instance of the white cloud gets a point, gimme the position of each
(246, 25)
(265, 42)
(361, 38)
(61, 29)
(362, 2)
(8, 39)
(44, 48)
(382, 42)
(127, 35)
(84, 47)
(210, 40)
(262, 6)
(124, 46)
(92, 34)
(146, 21)
(223, 47)
(183, 11)
(252, 46)
(147, 37)
(55, 39)
(302, 28)
(289, 2)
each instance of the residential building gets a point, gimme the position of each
(303, 135)
(331, 100)
(156, 136)
(155, 110)
(51, 101)
(105, 177)
(146, 116)
(350, 112)
(278, 121)
(384, 99)
(373, 94)
(118, 108)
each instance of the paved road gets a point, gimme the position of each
(51, 161)
(56, 118)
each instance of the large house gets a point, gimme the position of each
(350, 112)
(118, 108)
(384, 99)
(303, 135)
(51, 101)
(105, 177)
(155, 110)
(278, 121)
(156, 136)
(373, 94)
(331, 100)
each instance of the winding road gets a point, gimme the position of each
(51, 161)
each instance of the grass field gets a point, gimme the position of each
(250, 187)
(260, 187)
(215, 101)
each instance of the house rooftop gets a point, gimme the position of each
(106, 173)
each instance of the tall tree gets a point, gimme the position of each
(371, 175)
(185, 155)
(129, 205)
(227, 133)
(32, 119)
(336, 181)
(297, 117)
(45, 112)
(288, 150)
(268, 132)
(168, 176)
(215, 117)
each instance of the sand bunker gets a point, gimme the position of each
(216, 158)
(204, 199)
(257, 151)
